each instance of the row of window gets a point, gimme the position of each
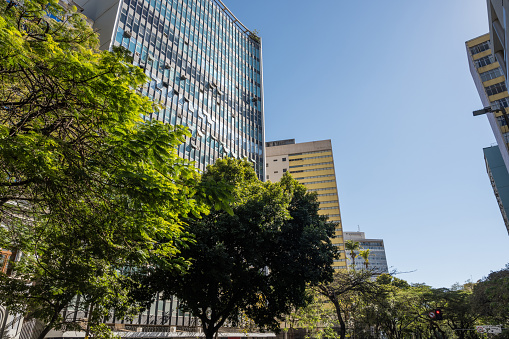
(313, 169)
(318, 157)
(328, 202)
(484, 61)
(504, 102)
(321, 189)
(283, 159)
(483, 46)
(496, 88)
(326, 194)
(329, 208)
(312, 152)
(314, 177)
(318, 182)
(491, 74)
(317, 164)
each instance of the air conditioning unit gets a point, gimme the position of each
(127, 34)
(183, 77)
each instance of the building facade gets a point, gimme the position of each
(490, 82)
(205, 68)
(497, 13)
(312, 164)
(377, 260)
(489, 75)
(499, 178)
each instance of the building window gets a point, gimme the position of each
(276, 171)
(496, 88)
(504, 102)
(484, 61)
(267, 177)
(284, 170)
(267, 165)
(491, 74)
(483, 46)
(275, 159)
(284, 159)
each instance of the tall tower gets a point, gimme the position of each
(205, 67)
(489, 78)
(312, 164)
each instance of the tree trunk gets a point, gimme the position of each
(342, 329)
(209, 332)
(49, 326)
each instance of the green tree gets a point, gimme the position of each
(456, 304)
(353, 247)
(364, 254)
(257, 261)
(491, 298)
(87, 188)
(345, 291)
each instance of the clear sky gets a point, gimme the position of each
(388, 82)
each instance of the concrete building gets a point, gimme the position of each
(312, 164)
(489, 77)
(377, 260)
(204, 65)
(489, 80)
(497, 14)
(499, 178)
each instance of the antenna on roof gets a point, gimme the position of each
(358, 228)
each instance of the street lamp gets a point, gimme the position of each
(495, 107)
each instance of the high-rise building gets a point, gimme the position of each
(377, 260)
(499, 178)
(312, 164)
(205, 67)
(497, 14)
(489, 78)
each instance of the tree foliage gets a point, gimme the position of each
(255, 262)
(360, 307)
(491, 298)
(87, 188)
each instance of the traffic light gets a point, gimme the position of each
(438, 314)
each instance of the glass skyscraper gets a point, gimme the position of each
(205, 68)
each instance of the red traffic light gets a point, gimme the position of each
(438, 314)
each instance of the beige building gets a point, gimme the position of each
(312, 164)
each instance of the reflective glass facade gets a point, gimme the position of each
(204, 66)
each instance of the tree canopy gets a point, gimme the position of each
(87, 188)
(256, 262)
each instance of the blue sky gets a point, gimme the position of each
(388, 82)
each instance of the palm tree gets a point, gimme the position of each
(364, 254)
(352, 246)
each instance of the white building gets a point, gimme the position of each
(377, 261)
